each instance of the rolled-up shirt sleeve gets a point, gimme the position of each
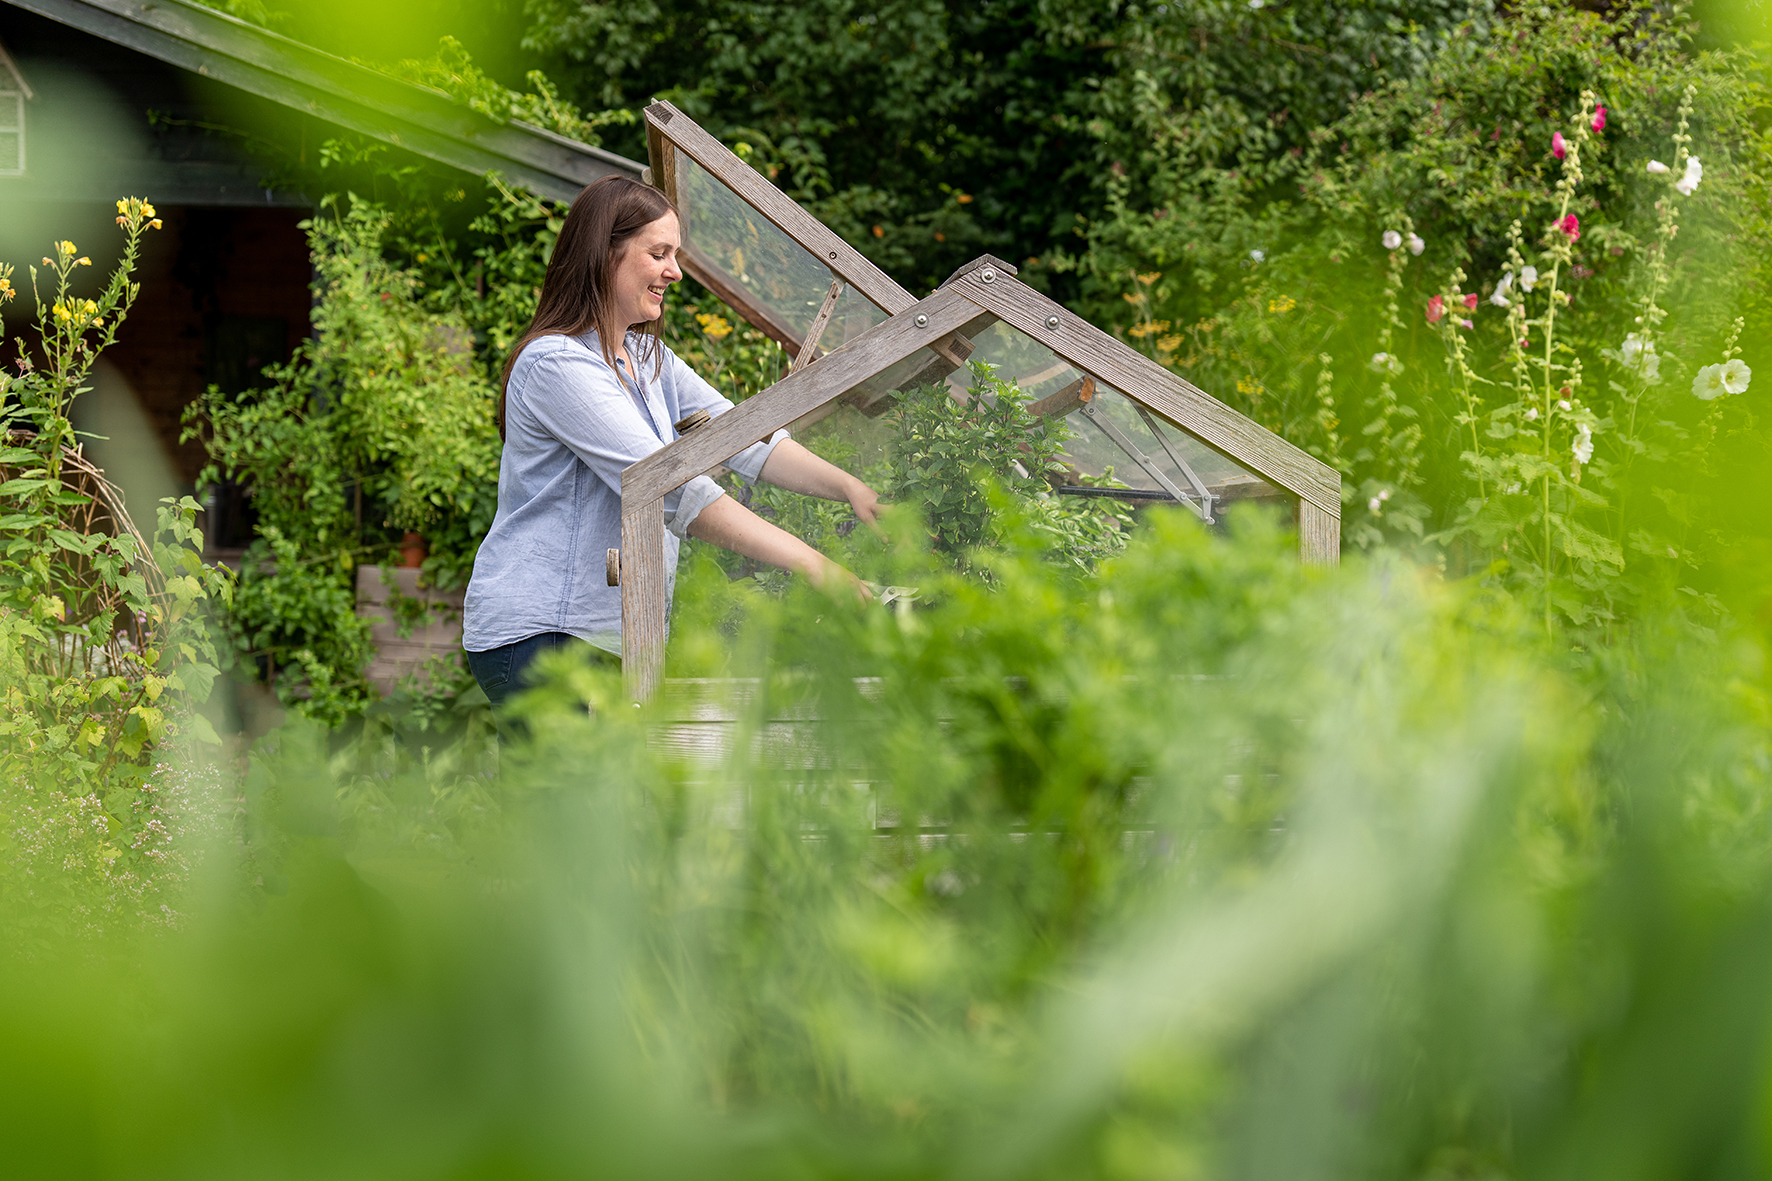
(582, 403)
(696, 394)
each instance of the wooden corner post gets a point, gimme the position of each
(645, 594)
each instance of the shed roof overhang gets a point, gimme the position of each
(417, 118)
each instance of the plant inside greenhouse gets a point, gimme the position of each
(716, 589)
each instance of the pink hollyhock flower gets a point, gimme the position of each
(1600, 119)
(1570, 226)
(1436, 307)
(1558, 148)
(1470, 301)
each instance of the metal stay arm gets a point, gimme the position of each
(1203, 509)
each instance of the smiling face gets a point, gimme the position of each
(648, 265)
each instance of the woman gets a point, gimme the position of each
(589, 390)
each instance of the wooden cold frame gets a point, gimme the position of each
(986, 289)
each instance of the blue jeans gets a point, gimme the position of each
(505, 670)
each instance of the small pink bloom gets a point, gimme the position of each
(1600, 119)
(1558, 148)
(1570, 226)
(1470, 301)
(1436, 307)
(1466, 324)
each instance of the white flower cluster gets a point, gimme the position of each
(1392, 239)
(1730, 377)
(1687, 183)
(1638, 355)
(1694, 174)
(1583, 447)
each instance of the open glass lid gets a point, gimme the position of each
(762, 267)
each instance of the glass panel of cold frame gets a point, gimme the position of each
(1040, 374)
(781, 276)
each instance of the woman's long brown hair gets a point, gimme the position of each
(577, 292)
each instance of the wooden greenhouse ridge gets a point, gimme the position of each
(974, 299)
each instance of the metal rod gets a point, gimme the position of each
(1206, 497)
(1144, 461)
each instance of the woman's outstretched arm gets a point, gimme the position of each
(730, 525)
(793, 467)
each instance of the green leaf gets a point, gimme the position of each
(203, 731)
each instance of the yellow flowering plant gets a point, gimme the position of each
(104, 648)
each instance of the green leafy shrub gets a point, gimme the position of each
(957, 462)
(382, 423)
(1326, 296)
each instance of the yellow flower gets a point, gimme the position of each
(147, 209)
(1148, 329)
(122, 206)
(1169, 344)
(155, 223)
(67, 248)
(89, 308)
(714, 326)
(1283, 304)
(1152, 277)
(1248, 385)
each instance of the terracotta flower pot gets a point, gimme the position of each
(412, 551)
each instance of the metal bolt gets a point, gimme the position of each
(1052, 321)
(833, 254)
(989, 275)
(922, 321)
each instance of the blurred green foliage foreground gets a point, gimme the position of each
(1213, 866)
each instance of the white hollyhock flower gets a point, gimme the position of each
(1694, 174)
(1391, 239)
(1708, 383)
(1416, 245)
(1583, 447)
(1656, 168)
(1736, 375)
(1651, 369)
(1531, 414)
(1632, 349)
(1373, 504)
(1499, 299)
(1528, 278)
(1563, 405)
(1258, 256)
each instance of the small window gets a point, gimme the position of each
(14, 90)
(12, 130)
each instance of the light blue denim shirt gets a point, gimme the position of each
(572, 423)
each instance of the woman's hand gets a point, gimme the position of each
(833, 579)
